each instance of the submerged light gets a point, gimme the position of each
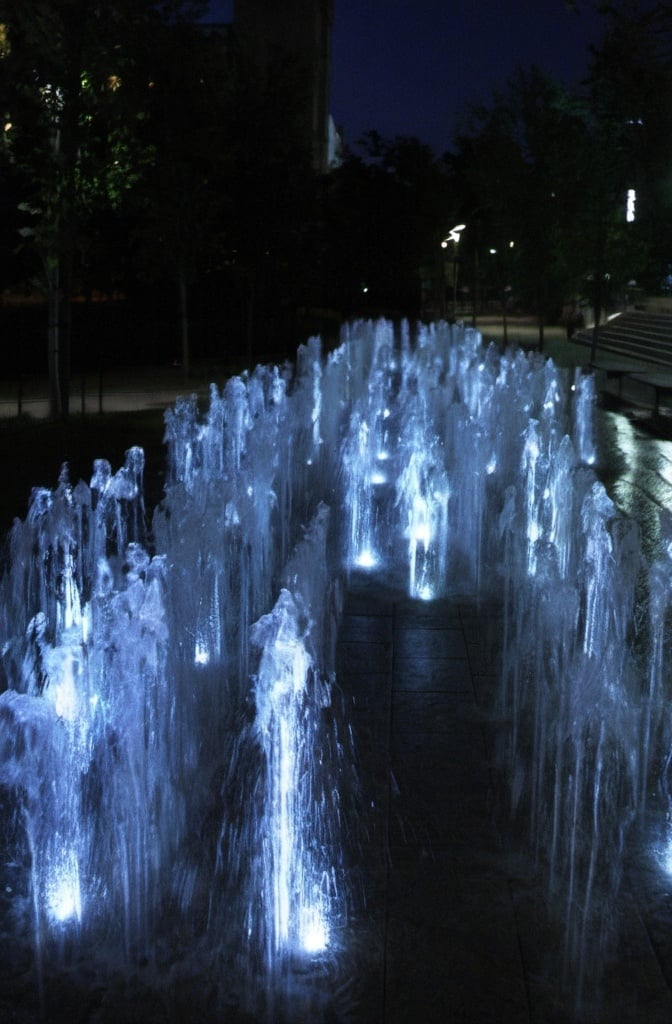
(64, 900)
(201, 654)
(366, 559)
(314, 932)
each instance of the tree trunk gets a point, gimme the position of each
(58, 335)
(597, 311)
(595, 340)
(53, 268)
(65, 333)
(541, 310)
(250, 319)
(184, 323)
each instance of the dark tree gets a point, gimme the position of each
(180, 207)
(630, 95)
(273, 249)
(518, 163)
(386, 213)
(74, 88)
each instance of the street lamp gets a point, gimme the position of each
(454, 236)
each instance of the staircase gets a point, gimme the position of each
(645, 338)
(636, 350)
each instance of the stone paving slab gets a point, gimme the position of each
(419, 673)
(435, 711)
(458, 922)
(406, 671)
(446, 960)
(429, 642)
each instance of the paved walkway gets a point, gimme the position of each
(157, 388)
(459, 922)
(121, 391)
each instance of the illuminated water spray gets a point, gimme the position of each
(423, 493)
(281, 694)
(171, 750)
(362, 476)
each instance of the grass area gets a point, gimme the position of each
(33, 451)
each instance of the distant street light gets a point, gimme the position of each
(454, 236)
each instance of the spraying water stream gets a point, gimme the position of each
(175, 765)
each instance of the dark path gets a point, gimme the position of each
(457, 911)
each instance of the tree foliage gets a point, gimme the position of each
(139, 148)
(73, 88)
(550, 169)
(152, 149)
(387, 210)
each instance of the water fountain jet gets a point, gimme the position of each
(169, 741)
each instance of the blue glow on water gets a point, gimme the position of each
(153, 693)
(63, 891)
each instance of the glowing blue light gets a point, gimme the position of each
(201, 654)
(422, 533)
(64, 899)
(314, 932)
(366, 560)
(663, 851)
(64, 693)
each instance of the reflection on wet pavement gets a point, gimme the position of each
(636, 469)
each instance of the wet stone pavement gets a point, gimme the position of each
(459, 921)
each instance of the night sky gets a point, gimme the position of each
(410, 67)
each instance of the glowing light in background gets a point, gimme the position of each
(631, 202)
